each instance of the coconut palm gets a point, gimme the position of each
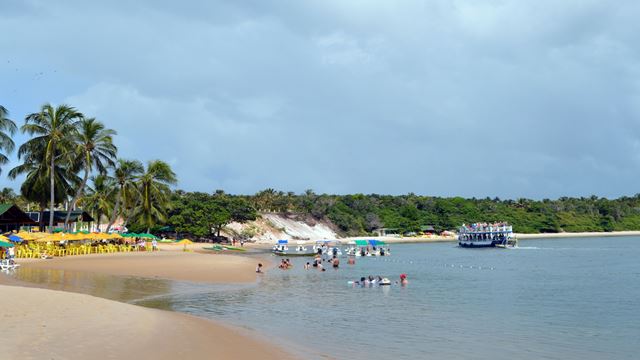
(98, 199)
(125, 176)
(34, 187)
(155, 192)
(53, 129)
(94, 150)
(7, 195)
(7, 129)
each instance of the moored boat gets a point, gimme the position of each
(487, 235)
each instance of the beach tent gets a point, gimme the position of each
(5, 244)
(361, 243)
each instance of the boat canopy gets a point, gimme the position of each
(376, 242)
(362, 243)
(283, 241)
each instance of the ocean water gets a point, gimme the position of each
(549, 299)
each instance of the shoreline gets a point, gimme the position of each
(437, 239)
(519, 236)
(69, 324)
(52, 324)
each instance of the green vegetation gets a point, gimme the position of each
(204, 215)
(65, 144)
(360, 214)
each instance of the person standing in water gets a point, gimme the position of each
(403, 279)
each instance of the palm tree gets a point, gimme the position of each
(54, 128)
(34, 188)
(7, 129)
(94, 149)
(155, 193)
(7, 195)
(125, 175)
(99, 197)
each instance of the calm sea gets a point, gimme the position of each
(549, 299)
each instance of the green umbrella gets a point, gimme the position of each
(146, 235)
(5, 244)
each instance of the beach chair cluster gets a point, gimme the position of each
(8, 264)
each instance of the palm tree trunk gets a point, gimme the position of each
(52, 188)
(43, 205)
(98, 221)
(77, 196)
(116, 208)
(130, 214)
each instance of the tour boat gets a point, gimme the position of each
(487, 235)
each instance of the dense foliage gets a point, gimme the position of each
(360, 214)
(63, 144)
(204, 215)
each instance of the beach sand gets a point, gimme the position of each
(48, 324)
(172, 265)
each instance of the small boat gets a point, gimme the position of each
(281, 249)
(369, 248)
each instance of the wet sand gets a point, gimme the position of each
(171, 265)
(48, 324)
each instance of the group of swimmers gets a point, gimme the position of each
(378, 281)
(285, 264)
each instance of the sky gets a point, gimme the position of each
(472, 98)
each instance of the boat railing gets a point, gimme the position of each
(486, 229)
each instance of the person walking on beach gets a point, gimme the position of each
(154, 245)
(259, 268)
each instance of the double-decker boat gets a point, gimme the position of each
(487, 235)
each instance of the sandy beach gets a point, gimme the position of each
(172, 265)
(48, 324)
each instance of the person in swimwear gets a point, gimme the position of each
(403, 279)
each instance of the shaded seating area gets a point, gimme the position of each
(12, 218)
(45, 245)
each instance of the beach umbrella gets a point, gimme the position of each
(15, 238)
(184, 242)
(5, 244)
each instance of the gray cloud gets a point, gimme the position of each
(470, 98)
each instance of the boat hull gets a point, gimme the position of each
(292, 254)
(476, 244)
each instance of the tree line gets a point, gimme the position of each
(70, 160)
(359, 214)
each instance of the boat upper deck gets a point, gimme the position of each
(484, 228)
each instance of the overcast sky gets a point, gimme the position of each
(522, 98)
